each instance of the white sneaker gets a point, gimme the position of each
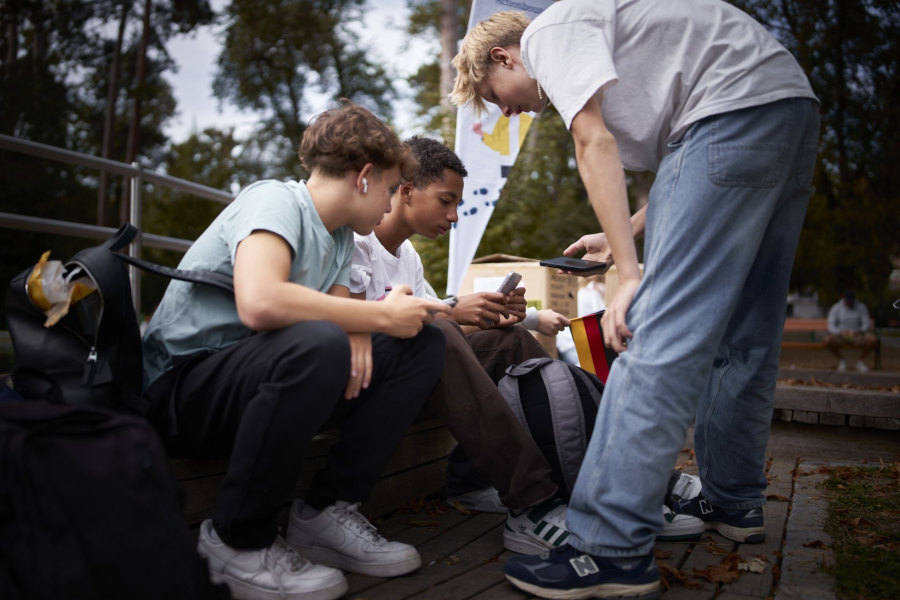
(679, 527)
(342, 537)
(276, 572)
(842, 366)
(861, 366)
(537, 529)
(483, 500)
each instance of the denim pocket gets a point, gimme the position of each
(744, 165)
(747, 147)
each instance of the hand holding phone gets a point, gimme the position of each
(575, 265)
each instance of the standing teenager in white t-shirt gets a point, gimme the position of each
(701, 94)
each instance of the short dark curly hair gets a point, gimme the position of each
(347, 137)
(433, 158)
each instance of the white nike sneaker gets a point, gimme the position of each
(276, 572)
(341, 537)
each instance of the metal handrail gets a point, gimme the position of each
(135, 176)
(103, 164)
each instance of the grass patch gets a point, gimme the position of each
(864, 524)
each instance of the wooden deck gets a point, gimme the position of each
(463, 554)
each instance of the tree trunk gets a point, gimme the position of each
(109, 120)
(134, 129)
(448, 51)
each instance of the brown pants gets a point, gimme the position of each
(466, 398)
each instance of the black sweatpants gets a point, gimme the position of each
(260, 402)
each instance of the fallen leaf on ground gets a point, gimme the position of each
(462, 509)
(713, 547)
(754, 565)
(669, 575)
(424, 523)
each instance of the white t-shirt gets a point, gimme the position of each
(662, 65)
(375, 269)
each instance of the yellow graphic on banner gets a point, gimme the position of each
(498, 139)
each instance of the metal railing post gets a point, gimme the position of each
(135, 213)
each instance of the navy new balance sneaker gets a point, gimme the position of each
(570, 574)
(740, 525)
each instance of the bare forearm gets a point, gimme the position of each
(285, 303)
(604, 180)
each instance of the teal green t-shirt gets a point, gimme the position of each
(193, 317)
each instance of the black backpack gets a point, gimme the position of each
(557, 402)
(93, 354)
(89, 509)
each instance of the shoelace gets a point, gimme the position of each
(279, 558)
(351, 516)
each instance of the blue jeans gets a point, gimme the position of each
(723, 221)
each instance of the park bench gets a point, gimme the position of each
(808, 334)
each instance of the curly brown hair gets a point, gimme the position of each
(347, 137)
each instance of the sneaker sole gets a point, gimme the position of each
(324, 556)
(647, 591)
(523, 544)
(241, 590)
(747, 535)
(679, 536)
(488, 507)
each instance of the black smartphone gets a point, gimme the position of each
(576, 265)
(510, 282)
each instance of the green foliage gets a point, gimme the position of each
(424, 23)
(279, 54)
(849, 51)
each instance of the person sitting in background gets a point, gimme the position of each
(849, 322)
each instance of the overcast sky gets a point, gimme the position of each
(196, 56)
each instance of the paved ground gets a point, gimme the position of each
(463, 554)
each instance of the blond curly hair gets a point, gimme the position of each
(473, 61)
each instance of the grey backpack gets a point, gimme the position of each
(557, 402)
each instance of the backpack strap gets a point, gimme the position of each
(213, 278)
(121, 238)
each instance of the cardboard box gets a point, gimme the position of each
(544, 287)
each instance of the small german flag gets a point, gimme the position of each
(593, 354)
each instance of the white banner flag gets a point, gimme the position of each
(488, 148)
